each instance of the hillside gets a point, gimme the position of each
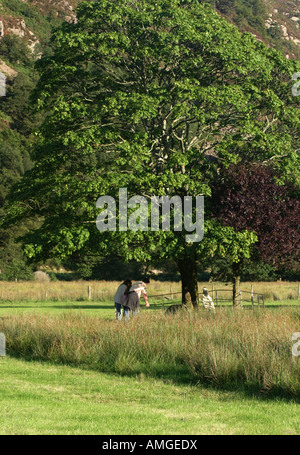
(283, 22)
(273, 21)
(276, 22)
(32, 20)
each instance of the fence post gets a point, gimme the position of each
(2, 345)
(252, 297)
(171, 289)
(89, 292)
(241, 299)
(216, 297)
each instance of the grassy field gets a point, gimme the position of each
(72, 369)
(42, 398)
(103, 291)
(229, 349)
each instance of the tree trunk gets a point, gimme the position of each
(236, 268)
(189, 281)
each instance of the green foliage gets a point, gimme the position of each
(105, 268)
(14, 161)
(53, 276)
(15, 50)
(258, 271)
(17, 103)
(251, 270)
(275, 32)
(13, 264)
(25, 9)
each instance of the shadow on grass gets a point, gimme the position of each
(154, 307)
(74, 306)
(282, 305)
(176, 375)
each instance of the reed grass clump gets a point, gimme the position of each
(230, 348)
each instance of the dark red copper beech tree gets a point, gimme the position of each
(249, 197)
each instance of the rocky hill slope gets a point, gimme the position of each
(276, 22)
(283, 21)
(32, 20)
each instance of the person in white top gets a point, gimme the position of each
(118, 298)
(140, 288)
(131, 301)
(207, 300)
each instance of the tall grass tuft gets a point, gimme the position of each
(229, 348)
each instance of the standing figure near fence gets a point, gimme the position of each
(207, 301)
(118, 298)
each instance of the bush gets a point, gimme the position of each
(41, 276)
(15, 268)
(275, 32)
(14, 49)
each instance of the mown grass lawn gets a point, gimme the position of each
(104, 309)
(41, 398)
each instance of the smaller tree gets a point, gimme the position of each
(248, 197)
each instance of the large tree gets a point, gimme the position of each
(151, 96)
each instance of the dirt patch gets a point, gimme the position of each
(7, 70)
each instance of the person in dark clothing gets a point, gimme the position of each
(118, 298)
(131, 303)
